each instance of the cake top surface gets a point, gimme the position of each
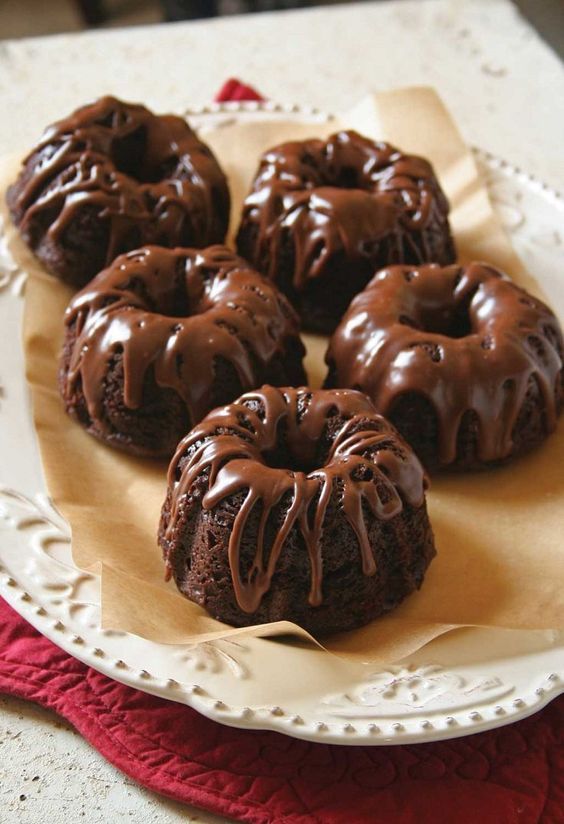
(345, 194)
(134, 168)
(466, 338)
(176, 311)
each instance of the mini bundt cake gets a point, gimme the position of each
(323, 216)
(296, 504)
(464, 362)
(110, 178)
(164, 335)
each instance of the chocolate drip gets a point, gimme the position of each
(175, 312)
(348, 196)
(462, 338)
(367, 465)
(149, 179)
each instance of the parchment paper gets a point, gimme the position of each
(499, 534)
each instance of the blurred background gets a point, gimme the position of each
(30, 18)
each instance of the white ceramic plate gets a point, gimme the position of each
(464, 682)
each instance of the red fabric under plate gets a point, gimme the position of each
(233, 89)
(514, 775)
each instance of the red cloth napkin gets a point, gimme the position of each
(513, 775)
(233, 89)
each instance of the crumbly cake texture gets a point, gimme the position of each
(111, 177)
(296, 504)
(466, 364)
(323, 216)
(164, 335)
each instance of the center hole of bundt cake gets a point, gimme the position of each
(452, 321)
(346, 177)
(164, 289)
(296, 451)
(132, 156)
(285, 458)
(341, 177)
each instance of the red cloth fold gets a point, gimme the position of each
(233, 89)
(513, 775)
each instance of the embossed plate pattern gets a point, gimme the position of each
(464, 682)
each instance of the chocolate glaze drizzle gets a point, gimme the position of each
(347, 194)
(464, 338)
(175, 311)
(140, 171)
(367, 464)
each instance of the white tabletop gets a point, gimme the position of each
(503, 85)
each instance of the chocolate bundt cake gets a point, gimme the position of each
(110, 178)
(164, 335)
(296, 504)
(323, 216)
(465, 363)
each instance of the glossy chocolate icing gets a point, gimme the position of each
(175, 311)
(464, 338)
(149, 178)
(345, 195)
(368, 466)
